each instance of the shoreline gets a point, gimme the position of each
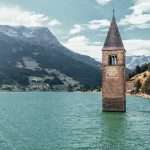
(146, 96)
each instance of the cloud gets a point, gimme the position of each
(103, 2)
(54, 23)
(91, 25)
(140, 16)
(17, 16)
(76, 29)
(137, 47)
(82, 45)
(96, 24)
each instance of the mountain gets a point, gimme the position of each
(133, 61)
(139, 83)
(28, 53)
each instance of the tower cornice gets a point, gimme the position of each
(113, 48)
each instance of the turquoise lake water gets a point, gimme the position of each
(71, 121)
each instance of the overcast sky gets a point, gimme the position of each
(82, 25)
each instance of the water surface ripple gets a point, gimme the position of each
(71, 121)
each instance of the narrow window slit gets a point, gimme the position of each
(112, 60)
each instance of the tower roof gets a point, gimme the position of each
(113, 39)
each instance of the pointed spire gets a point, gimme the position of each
(113, 39)
(113, 12)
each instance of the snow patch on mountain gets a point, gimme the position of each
(28, 35)
(30, 63)
(9, 32)
(19, 65)
(133, 61)
(64, 78)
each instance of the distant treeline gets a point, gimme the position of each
(140, 69)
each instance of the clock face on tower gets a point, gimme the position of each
(111, 72)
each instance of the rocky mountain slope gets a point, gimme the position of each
(141, 83)
(35, 53)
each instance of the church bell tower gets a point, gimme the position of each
(113, 71)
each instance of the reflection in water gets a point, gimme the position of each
(114, 130)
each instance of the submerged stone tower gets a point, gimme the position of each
(113, 71)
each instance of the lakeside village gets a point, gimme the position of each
(138, 83)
